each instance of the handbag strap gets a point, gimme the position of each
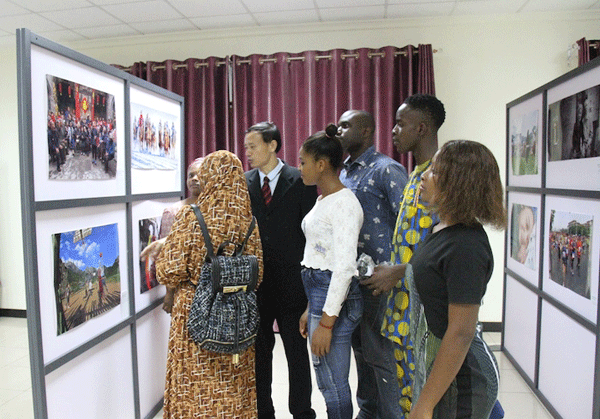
(209, 247)
(239, 248)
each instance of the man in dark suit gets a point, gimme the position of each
(280, 200)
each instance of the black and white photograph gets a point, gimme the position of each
(82, 140)
(572, 134)
(573, 126)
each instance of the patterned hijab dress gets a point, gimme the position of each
(202, 384)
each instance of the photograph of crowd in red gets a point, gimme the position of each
(82, 141)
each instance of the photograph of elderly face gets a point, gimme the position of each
(523, 228)
(82, 141)
(87, 280)
(573, 126)
(154, 139)
(569, 250)
(524, 143)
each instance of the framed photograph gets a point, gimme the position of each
(83, 278)
(76, 162)
(148, 227)
(77, 129)
(572, 253)
(573, 137)
(156, 142)
(524, 142)
(82, 142)
(523, 235)
(87, 280)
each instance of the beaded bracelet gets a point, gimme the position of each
(326, 327)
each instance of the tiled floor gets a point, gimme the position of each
(15, 379)
(16, 399)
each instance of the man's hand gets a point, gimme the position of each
(384, 278)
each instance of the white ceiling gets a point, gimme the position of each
(79, 20)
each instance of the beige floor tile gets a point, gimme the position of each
(511, 382)
(8, 395)
(523, 405)
(16, 400)
(20, 407)
(15, 378)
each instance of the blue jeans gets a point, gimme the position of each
(332, 370)
(378, 393)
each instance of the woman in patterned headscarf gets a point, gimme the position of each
(150, 252)
(202, 384)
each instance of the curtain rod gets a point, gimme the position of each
(329, 57)
(290, 59)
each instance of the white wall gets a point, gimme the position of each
(12, 292)
(482, 63)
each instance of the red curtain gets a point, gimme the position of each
(300, 92)
(588, 50)
(204, 85)
(583, 52)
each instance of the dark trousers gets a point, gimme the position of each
(296, 352)
(378, 393)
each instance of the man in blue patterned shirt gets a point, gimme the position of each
(378, 182)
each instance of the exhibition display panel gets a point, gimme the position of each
(552, 244)
(101, 157)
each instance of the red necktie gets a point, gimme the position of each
(266, 191)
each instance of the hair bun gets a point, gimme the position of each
(331, 130)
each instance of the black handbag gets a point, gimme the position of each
(223, 317)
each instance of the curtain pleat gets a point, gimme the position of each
(583, 52)
(203, 84)
(300, 92)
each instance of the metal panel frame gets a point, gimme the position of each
(29, 208)
(543, 192)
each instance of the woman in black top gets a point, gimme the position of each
(456, 373)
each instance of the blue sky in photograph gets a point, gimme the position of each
(86, 252)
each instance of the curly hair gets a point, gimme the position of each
(468, 183)
(325, 145)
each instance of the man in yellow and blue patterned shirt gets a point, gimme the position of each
(417, 122)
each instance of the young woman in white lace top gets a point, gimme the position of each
(329, 265)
